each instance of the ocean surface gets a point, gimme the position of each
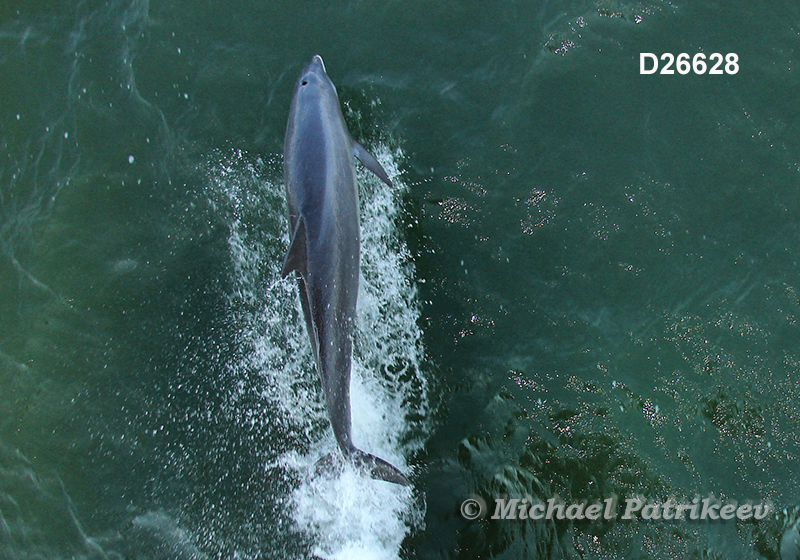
(583, 285)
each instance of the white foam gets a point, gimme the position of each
(344, 513)
(353, 517)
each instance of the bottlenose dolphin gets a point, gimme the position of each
(322, 196)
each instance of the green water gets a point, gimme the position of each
(585, 284)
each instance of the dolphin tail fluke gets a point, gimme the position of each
(378, 468)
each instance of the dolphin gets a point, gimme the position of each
(325, 247)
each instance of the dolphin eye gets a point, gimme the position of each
(304, 82)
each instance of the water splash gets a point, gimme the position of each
(343, 514)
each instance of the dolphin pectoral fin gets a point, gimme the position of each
(370, 162)
(296, 257)
(378, 468)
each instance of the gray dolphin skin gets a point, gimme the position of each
(322, 196)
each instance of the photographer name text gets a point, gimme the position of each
(708, 508)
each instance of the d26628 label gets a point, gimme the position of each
(685, 63)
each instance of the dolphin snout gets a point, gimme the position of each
(318, 60)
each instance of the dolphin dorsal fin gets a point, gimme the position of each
(370, 162)
(296, 257)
